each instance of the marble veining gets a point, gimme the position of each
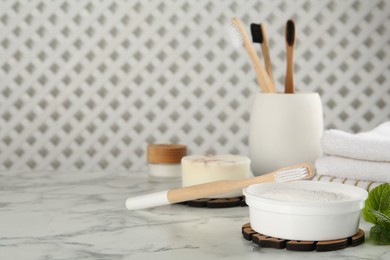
(65, 215)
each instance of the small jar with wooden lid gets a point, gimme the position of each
(164, 161)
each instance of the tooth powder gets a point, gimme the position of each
(297, 195)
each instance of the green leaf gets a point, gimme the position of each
(382, 219)
(380, 235)
(378, 200)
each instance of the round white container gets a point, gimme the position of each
(164, 171)
(305, 220)
(198, 169)
(285, 129)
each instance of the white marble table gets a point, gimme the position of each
(83, 216)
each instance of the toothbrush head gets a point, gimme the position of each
(235, 33)
(299, 172)
(290, 32)
(257, 33)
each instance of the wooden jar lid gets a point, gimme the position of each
(166, 153)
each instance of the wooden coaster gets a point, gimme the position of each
(298, 245)
(217, 203)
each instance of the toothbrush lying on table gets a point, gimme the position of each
(259, 35)
(240, 38)
(292, 173)
(290, 44)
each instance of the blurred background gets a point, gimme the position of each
(86, 85)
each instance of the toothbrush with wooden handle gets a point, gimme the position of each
(259, 35)
(292, 173)
(240, 38)
(290, 44)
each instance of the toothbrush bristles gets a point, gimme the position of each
(257, 33)
(292, 174)
(290, 32)
(236, 37)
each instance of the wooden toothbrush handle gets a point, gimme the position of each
(199, 191)
(289, 84)
(265, 82)
(268, 65)
(261, 74)
(213, 188)
(267, 57)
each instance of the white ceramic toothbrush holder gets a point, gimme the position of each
(285, 129)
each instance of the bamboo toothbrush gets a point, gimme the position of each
(290, 44)
(292, 173)
(259, 35)
(240, 38)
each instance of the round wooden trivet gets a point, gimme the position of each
(217, 203)
(298, 245)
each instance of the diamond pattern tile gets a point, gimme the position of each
(86, 85)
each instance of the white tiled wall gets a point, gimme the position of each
(85, 85)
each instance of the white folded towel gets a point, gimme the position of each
(373, 145)
(353, 169)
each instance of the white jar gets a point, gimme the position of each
(164, 161)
